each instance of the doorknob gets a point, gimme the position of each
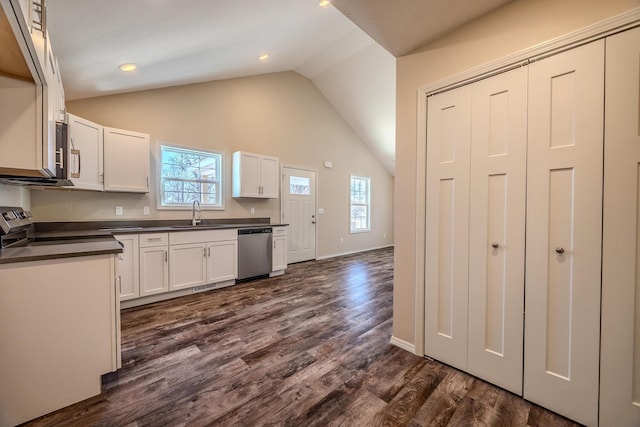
(313, 222)
(559, 251)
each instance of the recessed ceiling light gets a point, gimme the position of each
(263, 57)
(323, 3)
(128, 67)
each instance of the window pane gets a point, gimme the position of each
(299, 185)
(360, 204)
(189, 175)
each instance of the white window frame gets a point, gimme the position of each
(367, 204)
(221, 175)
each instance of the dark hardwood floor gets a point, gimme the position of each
(304, 349)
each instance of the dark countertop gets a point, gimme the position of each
(38, 251)
(72, 239)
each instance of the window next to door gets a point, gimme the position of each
(360, 204)
(187, 175)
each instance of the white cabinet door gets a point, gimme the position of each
(188, 267)
(447, 226)
(85, 154)
(280, 249)
(620, 364)
(128, 267)
(269, 177)
(246, 174)
(497, 228)
(126, 161)
(222, 261)
(154, 270)
(564, 232)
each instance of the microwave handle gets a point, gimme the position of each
(76, 152)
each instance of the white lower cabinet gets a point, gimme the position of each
(187, 265)
(158, 263)
(279, 251)
(222, 261)
(154, 264)
(128, 267)
(60, 332)
(521, 154)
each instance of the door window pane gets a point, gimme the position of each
(299, 185)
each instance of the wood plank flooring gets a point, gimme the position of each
(310, 348)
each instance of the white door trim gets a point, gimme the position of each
(282, 189)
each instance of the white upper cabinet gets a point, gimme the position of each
(85, 154)
(27, 87)
(255, 175)
(126, 161)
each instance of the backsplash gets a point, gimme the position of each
(14, 195)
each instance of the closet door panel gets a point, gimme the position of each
(497, 228)
(620, 364)
(447, 226)
(564, 232)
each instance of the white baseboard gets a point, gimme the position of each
(403, 345)
(352, 252)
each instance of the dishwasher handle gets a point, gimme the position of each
(242, 231)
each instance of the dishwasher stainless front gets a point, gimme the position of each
(254, 252)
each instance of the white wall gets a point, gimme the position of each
(280, 114)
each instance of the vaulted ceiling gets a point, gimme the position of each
(179, 42)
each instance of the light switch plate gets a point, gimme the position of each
(119, 210)
(320, 210)
(145, 210)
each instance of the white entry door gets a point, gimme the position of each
(299, 211)
(564, 232)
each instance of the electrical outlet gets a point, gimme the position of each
(119, 211)
(341, 240)
(253, 211)
(145, 210)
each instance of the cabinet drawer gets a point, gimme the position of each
(184, 237)
(154, 239)
(279, 231)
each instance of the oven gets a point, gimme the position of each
(16, 227)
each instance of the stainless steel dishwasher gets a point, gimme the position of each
(254, 252)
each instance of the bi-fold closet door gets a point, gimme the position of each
(620, 354)
(526, 148)
(476, 179)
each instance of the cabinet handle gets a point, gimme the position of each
(154, 239)
(76, 152)
(166, 256)
(120, 283)
(209, 251)
(61, 157)
(495, 245)
(559, 250)
(204, 250)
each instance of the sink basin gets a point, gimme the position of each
(183, 226)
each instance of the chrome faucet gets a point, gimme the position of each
(195, 221)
